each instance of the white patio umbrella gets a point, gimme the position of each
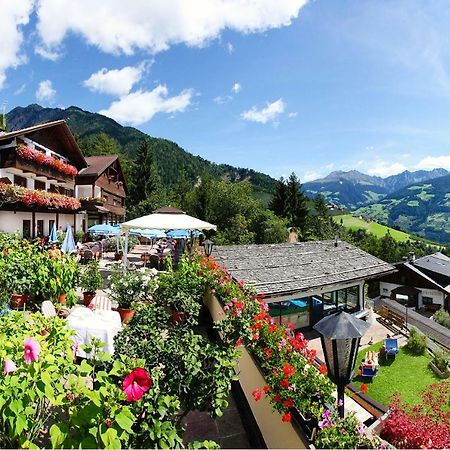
(165, 219)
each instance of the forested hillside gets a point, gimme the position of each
(172, 161)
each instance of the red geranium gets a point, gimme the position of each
(287, 417)
(257, 394)
(136, 384)
(288, 370)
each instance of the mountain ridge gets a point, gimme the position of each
(353, 189)
(173, 161)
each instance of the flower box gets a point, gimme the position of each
(10, 193)
(438, 372)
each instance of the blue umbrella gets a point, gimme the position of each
(148, 233)
(104, 228)
(68, 245)
(182, 233)
(53, 235)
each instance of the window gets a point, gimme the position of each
(329, 302)
(20, 181)
(51, 222)
(427, 300)
(39, 185)
(40, 228)
(26, 229)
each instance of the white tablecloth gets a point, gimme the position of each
(100, 324)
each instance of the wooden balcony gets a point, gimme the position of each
(10, 160)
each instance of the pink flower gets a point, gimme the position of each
(9, 367)
(75, 348)
(136, 384)
(31, 350)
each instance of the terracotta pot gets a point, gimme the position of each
(17, 301)
(178, 317)
(126, 314)
(88, 297)
(118, 257)
(62, 299)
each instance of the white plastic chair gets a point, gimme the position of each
(102, 303)
(48, 309)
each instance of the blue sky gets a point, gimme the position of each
(275, 85)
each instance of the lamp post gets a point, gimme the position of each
(208, 246)
(340, 334)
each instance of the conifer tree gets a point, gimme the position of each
(279, 199)
(297, 204)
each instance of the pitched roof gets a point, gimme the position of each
(284, 269)
(437, 263)
(97, 164)
(51, 134)
(430, 280)
(168, 210)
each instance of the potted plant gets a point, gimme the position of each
(126, 287)
(182, 305)
(68, 277)
(90, 280)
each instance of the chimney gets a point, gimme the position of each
(412, 257)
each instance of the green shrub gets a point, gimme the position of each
(442, 317)
(417, 342)
(91, 279)
(441, 360)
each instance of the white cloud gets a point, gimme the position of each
(140, 106)
(434, 162)
(221, 99)
(236, 88)
(155, 25)
(19, 90)
(52, 55)
(229, 47)
(117, 82)
(310, 176)
(385, 168)
(293, 114)
(14, 14)
(270, 113)
(45, 91)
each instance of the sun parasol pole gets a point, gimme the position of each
(125, 250)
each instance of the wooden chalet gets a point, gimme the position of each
(422, 282)
(102, 189)
(303, 282)
(38, 166)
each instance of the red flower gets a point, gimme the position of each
(272, 328)
(257, 394)
(268, 352)
(289, 403)
(276, 397)
(364, 388)
(239, 342)
(323, 368)
(284, 383)
(288, 370)
(266, 389)
(286, 417)
(136, 384)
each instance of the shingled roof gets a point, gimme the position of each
(283, 269)
(97, 164)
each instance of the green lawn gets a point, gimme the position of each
(407, 374)
(355, 223)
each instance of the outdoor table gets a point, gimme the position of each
(100, 324)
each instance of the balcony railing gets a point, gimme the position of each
(32, 198)
(32, 161)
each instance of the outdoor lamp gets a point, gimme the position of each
(340, 334)
(208, 246)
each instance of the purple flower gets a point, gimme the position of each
(31, 350)
(340, 402)
(326, 414)
(9, 367)
(361, 429)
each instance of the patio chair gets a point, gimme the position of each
(102, 302)
(48, 309)
(391, 347)
(368, 372)
(87, 256)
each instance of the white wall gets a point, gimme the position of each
(437, 296)
(11, 222)
(5, 174)
(84, 191)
